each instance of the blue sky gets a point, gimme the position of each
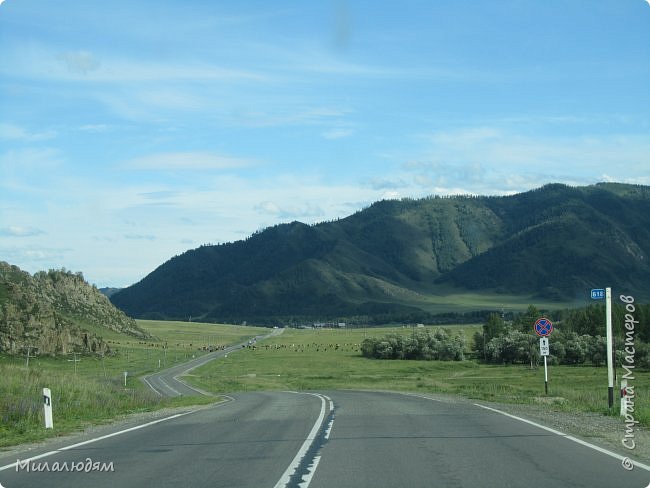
(132, 131)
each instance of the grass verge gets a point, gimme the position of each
(89, 390)
(330, 359)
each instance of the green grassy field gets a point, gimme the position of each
(91, 390)
(314, 359)
(444, 299)
(310, 360)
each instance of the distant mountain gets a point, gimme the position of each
(553, 242)
(109, 292)
(56, 312)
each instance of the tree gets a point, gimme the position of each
(513, 347)
(575, 349)
(525, 322)
(494, 327)
(596, 349)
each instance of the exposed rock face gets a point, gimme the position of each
(56, 312)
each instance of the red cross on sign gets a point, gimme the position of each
(543, 327)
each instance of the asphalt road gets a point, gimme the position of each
(167, 382)
(333, 439)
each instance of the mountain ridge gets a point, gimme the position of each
(552, 242)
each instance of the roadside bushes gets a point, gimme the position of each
(511, 345)
(514, 342)
(440, 345)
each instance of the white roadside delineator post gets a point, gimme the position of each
(47, 405)
(623, 398)
(610, 347)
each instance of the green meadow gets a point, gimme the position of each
(90, 390)
(444, 298)
(326, 359)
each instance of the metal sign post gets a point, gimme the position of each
(543, 328)
(544, 350)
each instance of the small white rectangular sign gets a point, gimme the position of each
(544, 348)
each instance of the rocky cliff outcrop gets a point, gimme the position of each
(56, 312)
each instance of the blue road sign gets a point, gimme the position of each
(597, 293)
(543, 327)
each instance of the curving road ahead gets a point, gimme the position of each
(339, 439)
(167, 382)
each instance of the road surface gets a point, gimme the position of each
(332, 439)
(168, 383)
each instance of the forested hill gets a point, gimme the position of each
(56, 312)
(554, 242)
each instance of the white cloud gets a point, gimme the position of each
(44, 63)
(283, 111)
(171, 99)
(487, 160)
(463, 137)
(29, 173)
(268, 208)
(35, 257)
(391, 195)
(286, 211)
(387, 183)
(94, 128)
(80, 62)
(15, 132)
(20, 231)
(145, 237)
(337, 133)
(187, 161)
(498, 147)
(636, 180)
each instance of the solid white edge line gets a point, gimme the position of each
(553, 431)
(417, 395)
(144, 378)
(331, 402)
(286, 476)
(200, 361)
(90, 441)
(566, 436)
(166, 385)
(198, 390)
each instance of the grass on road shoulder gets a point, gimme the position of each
(330, 359)
(90, 389)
